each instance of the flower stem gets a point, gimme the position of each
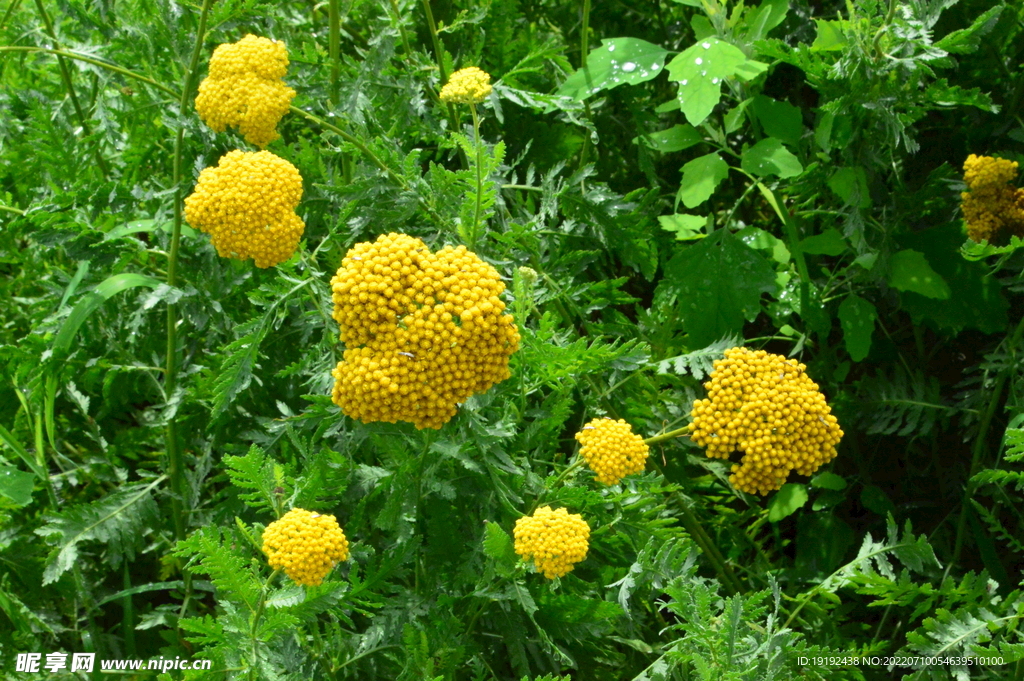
(333, 47)
(475, 232)
(979, 444)
(175, 465)
(65, 75)
(584, 49)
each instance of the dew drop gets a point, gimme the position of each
(629, 67)
(611, 48)
(703, 73)
(655, 67)
(685, 82)
(699, 61)
(614, 63)
(714, 81)
(706, 46)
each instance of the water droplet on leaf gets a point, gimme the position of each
(611, 48)
(698, 61)
(629, 67)
(706, 46)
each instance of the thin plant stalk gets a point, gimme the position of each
(584, 50)
(435, 37)
(69, 85)
(334, 47)
(401, 28)
(175, 463)
(979, 445)
(475, 233)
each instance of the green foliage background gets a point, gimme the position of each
(784, 175)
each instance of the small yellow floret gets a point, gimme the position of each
(423, 331)
(247, 205)
(245, 90)
(993, 208)
(555, 540)
(305, 545)
(467, 86)
(767, 408)
(611, 449)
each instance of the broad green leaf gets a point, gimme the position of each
(781, 120)
(676, 138)
(851, 185)
(7, 437)
(734, 119)
(686, 227)
(827, 480)
(787, 501)
(769, 157)
(616, 62)
(700, 70)
(16, 485)
(857, 317)
(830, 36)
(822, 541)
(829, 242)
(712, 302)
(92, 300)
(763, 19)
(976, 301)
(690, 3)
(910, 271)
(755, 237)
(700, 177)
(874, 499)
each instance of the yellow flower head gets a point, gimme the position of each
(423, 331)
(993, 207)
(305, 545)
(767, 408)
(611, 449)
(555, 540)
(467, 86)
(245, 90)
(247, 205)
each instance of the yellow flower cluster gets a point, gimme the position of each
(611, 449)
(423, 331)
(555, 540)
(245, 90)
(993, 208)
(305, 545)
(467, 86)
(247, 205)
(767, 408)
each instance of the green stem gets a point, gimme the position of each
(65, 75)
(333, 48)
(442, 72)
(584, 50)
(257, 615)
(475, 233)
(577, 463)
(672, 434)
(979, 444)
(12, 209)
(175, 463)
(401, 28)
(10, 10)
(96, 62)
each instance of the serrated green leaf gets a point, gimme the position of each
(699, 71)
(755, 237)
(769, 157)
(498, 545)
(830, 36)
(827, 480)
(686, 227)
(617, 61)
(851, 185)
(910, 271)
(676, 138)
(712, 303)
(787, 501)
(700, 178)
(781, 120)
(16, 485)
(857, 317)
(829, 242)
